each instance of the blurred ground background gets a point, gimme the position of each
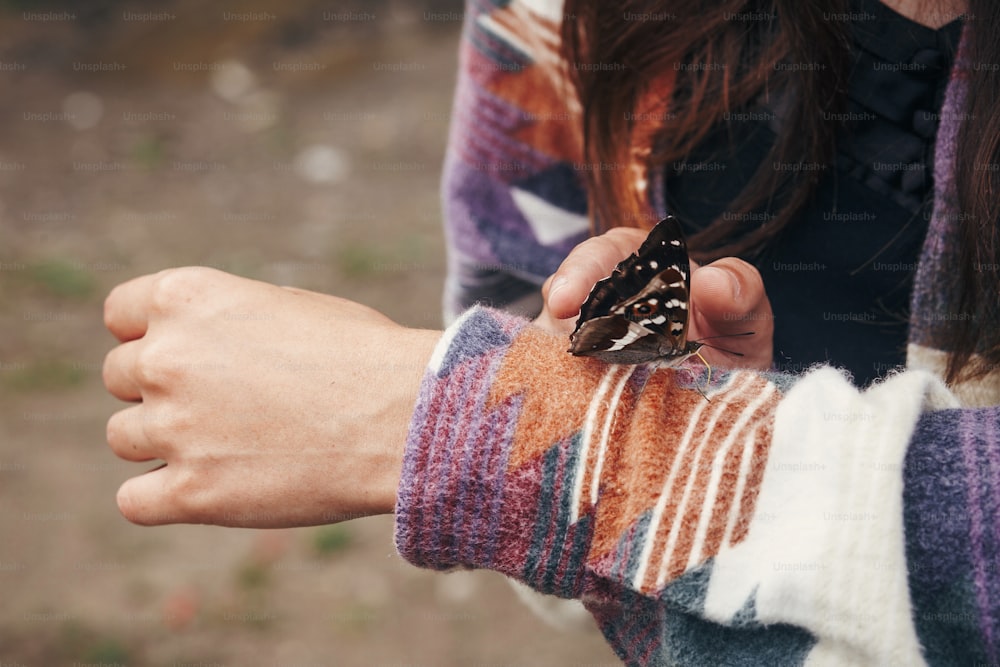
(297, 142)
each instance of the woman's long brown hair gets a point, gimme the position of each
(726, 53)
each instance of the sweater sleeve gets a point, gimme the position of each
(952, 518)
(513, 197)
(759, 520)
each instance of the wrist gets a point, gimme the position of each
(405, 365)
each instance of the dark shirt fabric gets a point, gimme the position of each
(839, 276)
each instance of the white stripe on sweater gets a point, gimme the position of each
(710, 434)
(746, 464)
(609, 419)
(719, 467)
(587, 435)
(661, 502)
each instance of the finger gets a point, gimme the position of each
(559, 327)
(126, 310)
(730, 294)
(589, 262)
(145, 499)
(128, 436)
(729, 299)
(120, 377)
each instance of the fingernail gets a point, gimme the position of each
(558, 283)
(736, 285)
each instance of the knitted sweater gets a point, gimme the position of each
(787, 520)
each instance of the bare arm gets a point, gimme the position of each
(269, 406)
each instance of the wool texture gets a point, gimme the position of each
(759, 519)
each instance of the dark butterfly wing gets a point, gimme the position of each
(662, 248)
(640, 312)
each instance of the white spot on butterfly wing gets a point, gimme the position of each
(634, 333)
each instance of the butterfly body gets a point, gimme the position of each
(639, 313)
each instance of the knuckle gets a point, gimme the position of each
(624, 233)
(174, 287)
(595, 267)
(153, 368)
(188, 496)
(165, 426)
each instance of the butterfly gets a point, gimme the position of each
(640, 312)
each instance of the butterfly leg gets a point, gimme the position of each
(708, 379)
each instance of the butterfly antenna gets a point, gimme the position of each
(722, 349)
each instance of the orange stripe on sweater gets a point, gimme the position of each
(697, 503)
(751, 491)
(724, 504)
(555, 388)
(732, 410)
(675, 496)
(640, 456)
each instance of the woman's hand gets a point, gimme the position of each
(727, 297)
(269, 406)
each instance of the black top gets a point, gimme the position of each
(839, 276)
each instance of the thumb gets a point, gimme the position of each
(729, 298)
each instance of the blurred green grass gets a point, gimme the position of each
(42, 375)
(62, 278)
(329, 540)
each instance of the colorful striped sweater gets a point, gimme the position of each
(788, 520)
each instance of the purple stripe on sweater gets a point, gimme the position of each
(937, 255)
(492, 113)
(477, 340)
(503, 425)
(993, 528)
(409, 504)
(472, 491)
(462, 378)
(464, 183)
(968, 440)
(461, 447)
(498, 234)
(471, 441)
(450, 498)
